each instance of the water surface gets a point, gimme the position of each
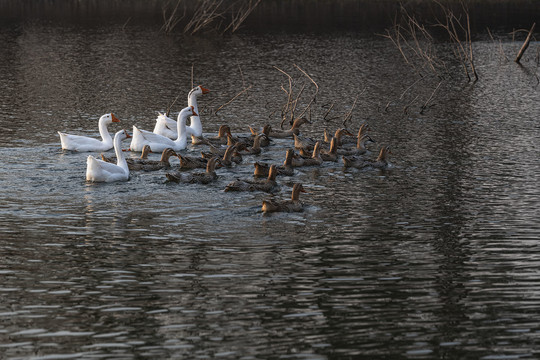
(436, 257)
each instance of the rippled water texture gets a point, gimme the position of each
(437, 257)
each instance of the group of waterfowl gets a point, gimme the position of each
(169, 137)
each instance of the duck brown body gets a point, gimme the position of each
(360, 163)
(195, 178)
(268, 185)
(292, 205)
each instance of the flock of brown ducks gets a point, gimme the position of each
(226, 149)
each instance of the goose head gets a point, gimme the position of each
(109, 118)
(198, 90)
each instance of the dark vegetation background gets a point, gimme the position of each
(273, 15)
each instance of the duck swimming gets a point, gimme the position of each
(196, 178)
(293, 205)
(315, 159)
(153, 165)
(285, 169)
(268, 185)
(84, 143)
(360, 148)
(360, 163)
(295, 129)
(220, 139)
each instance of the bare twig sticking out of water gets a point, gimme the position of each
(423, 107)
(414, 41)
(453, 27)
(171, 105)
(314, 98)
(285, 108)
(234, 98)
(501, 50)
(171, 20)
(348, 115)
(125, 24)
(406, 107)
(242, 76)
(402, 94)
(525, 44)
(192, 72)
(295, 102)
(328, 112)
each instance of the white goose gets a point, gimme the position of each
(101, 171)
(84, 143)
(157, 142)
(165, 125)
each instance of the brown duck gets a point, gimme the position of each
(132, 163)
(220, 139)
(195, 178)
(262, 170)
(268, 185)
(360, 163)
(360, 148)
(272, 205)
(295, 129)
(315, 159)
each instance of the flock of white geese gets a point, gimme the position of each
(169, 137)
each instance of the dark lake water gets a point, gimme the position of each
(436, 257)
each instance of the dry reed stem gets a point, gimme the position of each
(328, 111)
(205, 14)
(240, 16)
(170, 21)
(423, 107)
(234, 98)
(285, 108)
(316, 90)
(525, 44)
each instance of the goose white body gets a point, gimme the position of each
(165, 125)
(158, 142)
(102, 171)
(84, 143)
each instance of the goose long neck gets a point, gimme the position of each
(121, 160)
(103, 131)
(181, 128)
(195, 120)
